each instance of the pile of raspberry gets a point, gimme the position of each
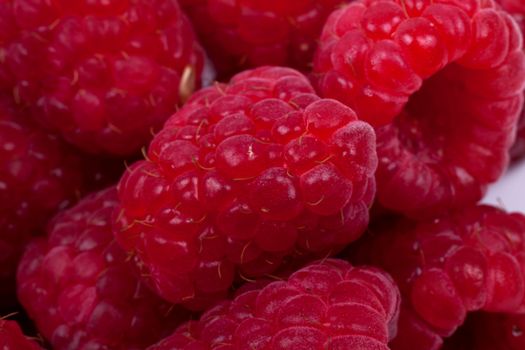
(260, 174)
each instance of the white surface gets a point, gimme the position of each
(509, 192)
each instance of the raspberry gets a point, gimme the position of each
(327, 305)
(103, 73)
(243, 177)
(441, 81)
(12, 338)
(518, 150)
(470, 260)
(517, 9)
(240, 34)
(80, 288)
(39, 176)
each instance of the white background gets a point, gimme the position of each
(509, 192)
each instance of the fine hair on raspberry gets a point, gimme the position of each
(244, 177)
(448, 267)
(326, 305)
(81, 289)
(102, 73)
(442, 81)
(40, 175)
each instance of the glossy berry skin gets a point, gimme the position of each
(81, 289)
(243, 177)
(39, 175)
(447, 267)
(12, 338)
(442, 81)
(241, 34)
(102, 73)
(517, 9)
(326, 305)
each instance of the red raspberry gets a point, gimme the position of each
(240, 34)
(518, 150)
(517, 9)
(441, 80)
(327, 305)
(242, 177)
(80, 288)
(471, 260)
(12, 338)
(103, 73)
(39, 176)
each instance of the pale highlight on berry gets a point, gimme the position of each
(327, 305)
(81, 288)
(517, 9)
(442, 81)
(445, 268)
(244, 177)
(39, 176)
(102, 73)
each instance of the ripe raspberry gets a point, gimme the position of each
(12, 338)
(241, 34)
(103, 73)
(518, 150)
(517, 9)
(242, 177)
(471, 260)
(80, 288)
(441, 80)
(39, 176)
(327, 305)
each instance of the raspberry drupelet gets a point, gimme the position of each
(468, 261)
(326, 305)
(243, 177)
(12, 338)
(81, 289)
(442, 81)
(517, 9)
(240, 34)
(39, 175)
(103, 73)
(518, 150)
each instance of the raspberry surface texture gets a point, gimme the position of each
(103, 73)
(12, 338)
(243, 177)
(81, 289)
(518, 150)
(517, 9)
(442, 81)
(39, 175)
(327, 305)
(240, 34)
(447, 267)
